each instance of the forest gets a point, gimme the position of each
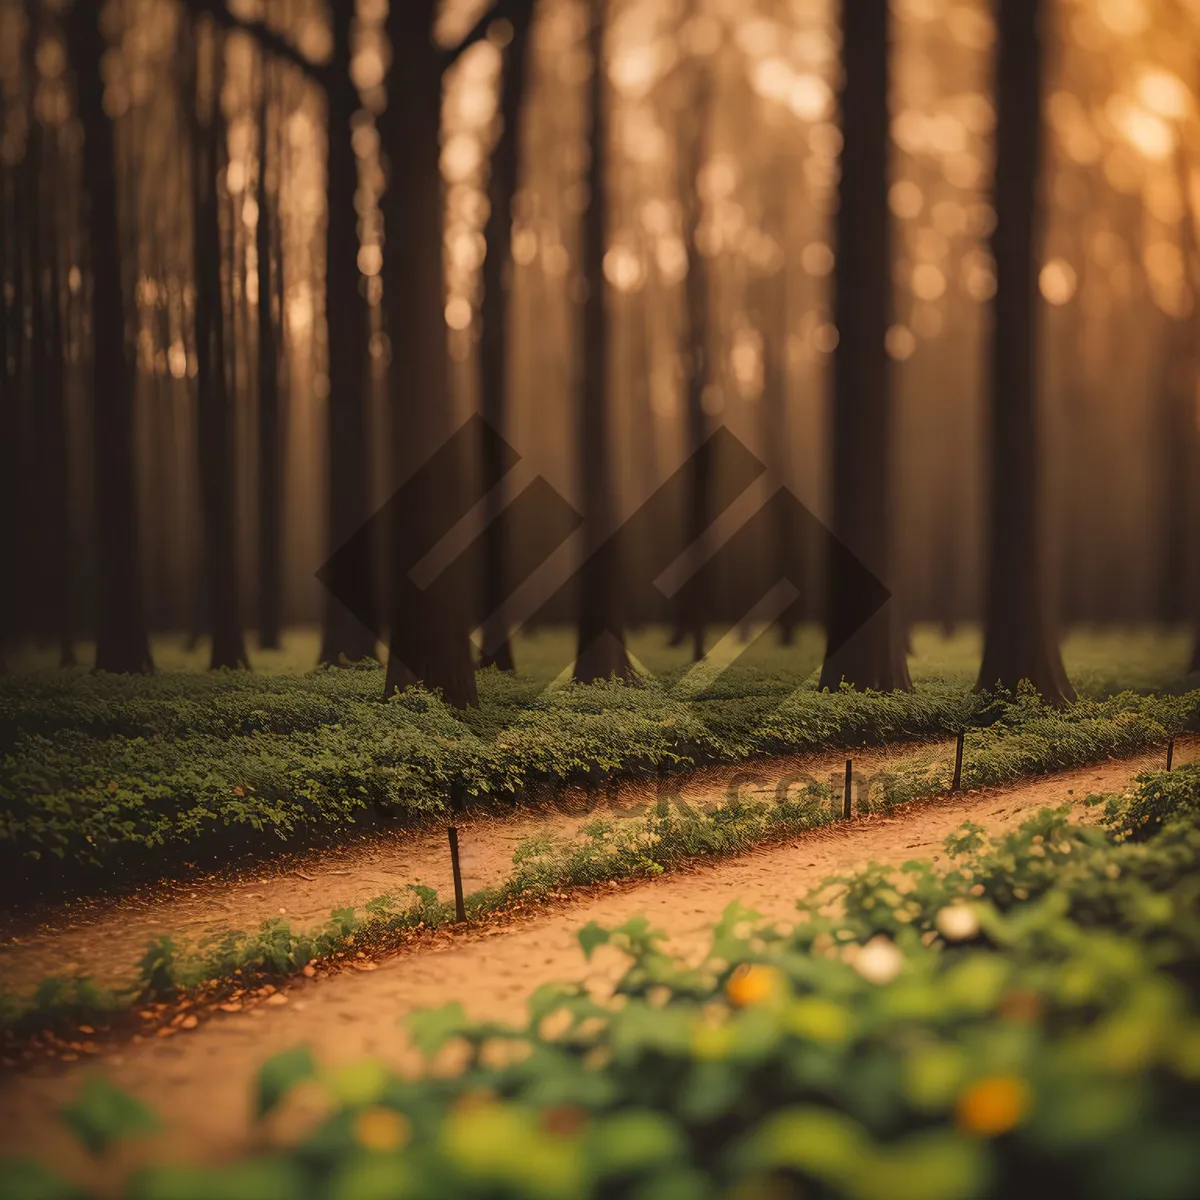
(602, 484)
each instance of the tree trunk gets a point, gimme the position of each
(345, 638)
(1018, 644)
(10, 492)
(122, 642)
(1180, 448)
(52, 551)
(270, 450)
(496, 315)
(870, 656)
(601, 650)
(430, 632)
(693, 605)
(214, 410)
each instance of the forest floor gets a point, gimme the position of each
(200, 1081)
(105, 938)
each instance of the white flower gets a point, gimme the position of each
(957, 922)
(879, 961)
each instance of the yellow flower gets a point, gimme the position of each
(993, 1106)
(381, 1129)
(750, 984)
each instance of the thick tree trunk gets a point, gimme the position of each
(773, 319)
(214, 409)
(1180, 446)
(601, 650)
(122, 643)
(10, 494)
(1018, 643)
(345, 638)
(870, 657)
(430, 632)
(691, 611)
(496, 316)
(270, 449)
(52, 550)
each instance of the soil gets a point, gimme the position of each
(200, 1080)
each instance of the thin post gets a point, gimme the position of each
(460, 911)
(1170, 752)
(958, 756)
(849, 784)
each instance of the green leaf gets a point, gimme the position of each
(103, 1114)
(358, 1084)
(934, 1165)
(278, 1075)
(591, 936)
(634, 1140)
(432, 1028)
(826, 1144)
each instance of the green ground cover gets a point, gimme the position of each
(112, 778)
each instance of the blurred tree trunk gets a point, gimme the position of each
(53, 534)
(773, 321)
(122, 642)
(10, 495)
(345, 638)
(870, 657)
(1018, 644)
(600, 650)
(430, 635)
(497, 322)
(1180, 449)
(270, 447)
(214, 407)
(691, 610)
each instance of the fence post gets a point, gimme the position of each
(849, 786)
(958, 756)
(460, 912)
(1170, 752)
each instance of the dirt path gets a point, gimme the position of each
(105, 940)
(200, 1081)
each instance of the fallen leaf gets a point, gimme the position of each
(364, 966)
(277, 998)
(232, 1006)
(310, 971)
(165, 1031)
(189, 1022)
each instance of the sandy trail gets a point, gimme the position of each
(105, 939)
(200, 1081)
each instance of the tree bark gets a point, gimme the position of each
(870, 657)
(345, 638)
(122, 642)
(53, 534)
(691, 609)
(214, 409)
(430, 632)
(10, 493)
(497, 323)
(601, 652)
(1018, 644)
(270, 450)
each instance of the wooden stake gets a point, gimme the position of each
(958, 753)
(849, 785)
(1170, 752)
(460, 912)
